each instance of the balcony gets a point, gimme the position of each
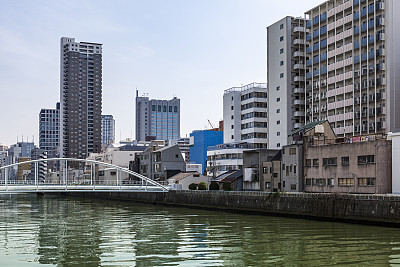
(298, 114)
(298, 90)
(298, 66)
(298, 79)
(297, 102)
(298, 42)
(298, 54)
(297, 125)
(299, 29)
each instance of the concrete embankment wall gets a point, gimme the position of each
(369, 209)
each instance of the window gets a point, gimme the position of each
(315, 162)
(329, 162)
(175, 109)
(278, 111)
(267, 185)
(159, 108)
(366, 159)
(232, 117)
(345, 181)
(293, 187)
(278, 99)
(231, 107)
(281, 63)
(281, 75)
(278, 88)
(275, 175)
(331, 181)
(231, 126)
(294, 168)
(308, 181)
(164, 108)
(281, 38)
(281, 26)
(278, 134)
(319, 182)
(231, 136)
(345, 161)
(176, 156)
(366, 181)
(265, 169)
(308, 162)
(153, 107)
(278, 122)
(278, 145)
(292, 151)
(281, 51)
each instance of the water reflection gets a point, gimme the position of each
(57, 230)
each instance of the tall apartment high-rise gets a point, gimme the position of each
(245, 115)
(49, 131)
(81, 98)
(157, 119)
(353, 65)
(107, 129)
(285, 79)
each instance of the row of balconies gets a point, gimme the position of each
(340, 90)
(341, 117)
(339, 36)
(339, 8)
(340, 64)
(341, 103)
(340, 77)
(340, 50)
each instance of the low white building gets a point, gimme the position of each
(120, 154)
(225, 157)
(184, 179)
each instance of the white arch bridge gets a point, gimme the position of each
(73, 175)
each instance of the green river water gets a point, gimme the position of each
(68, 231)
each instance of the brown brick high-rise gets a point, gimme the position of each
(81, 98)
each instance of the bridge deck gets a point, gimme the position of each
(77, 188)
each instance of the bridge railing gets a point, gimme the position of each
(74, 172)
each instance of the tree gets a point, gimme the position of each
(202, 186)
(227, 186)
(214, 186)
(193, 186)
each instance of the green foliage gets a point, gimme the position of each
(193, 186)
(214, 186)
(227, 186)
(202, 186)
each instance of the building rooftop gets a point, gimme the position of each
(182, 175)
(307, 127)
(229, 176)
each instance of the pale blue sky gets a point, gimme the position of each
(190, 49)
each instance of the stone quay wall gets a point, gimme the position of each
(355, 208)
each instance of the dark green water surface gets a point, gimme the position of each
(67, 231)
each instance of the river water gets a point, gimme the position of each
(67, 231)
